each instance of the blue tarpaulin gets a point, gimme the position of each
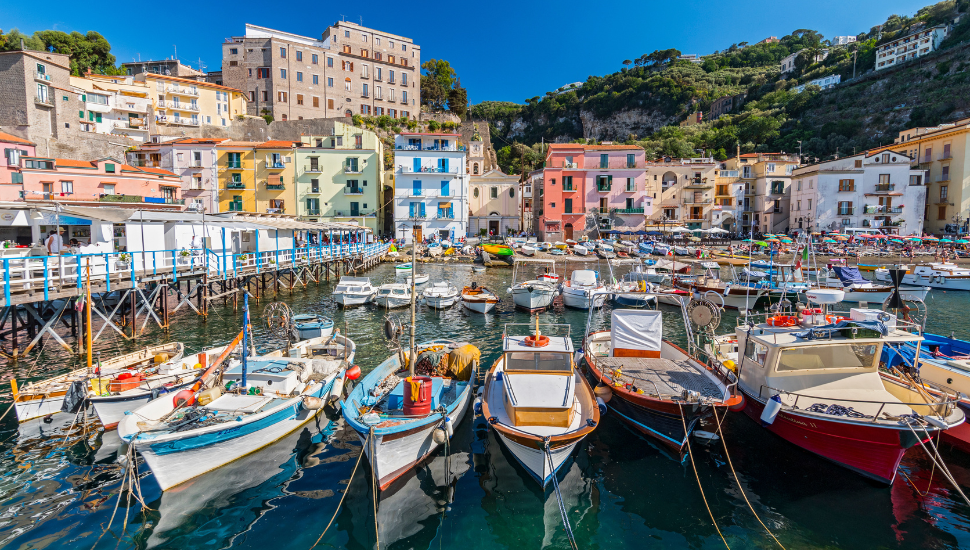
(849, 275)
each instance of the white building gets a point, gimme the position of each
(824, 83)
(871, 189)
(788, 63)
(194, 160)
(911, 46)
(113, 105)
(843, 40)
(431, 186)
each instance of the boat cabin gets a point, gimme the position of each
(538, 381)
(353, 285)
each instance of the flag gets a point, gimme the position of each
(804, 256)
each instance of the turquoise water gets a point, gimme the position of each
(59, 486)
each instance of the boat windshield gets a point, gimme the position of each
(537, 361)
(836, 356)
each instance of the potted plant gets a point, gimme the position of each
(124, 260)
(184, 256)
(243, 259)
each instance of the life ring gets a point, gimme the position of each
(783, 321)
(835, 319)
(536, 341)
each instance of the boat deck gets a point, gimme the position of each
(666, 376)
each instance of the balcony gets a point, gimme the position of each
(885, 187)
(234, 165)
(846, 212)
(176, 121)
(235, 185)
(313, 191)
(603, 188)
(353, 191)
(428, 170)
(445, 216)
(45, 101)
(570, 165)
(313, 212)
(692, 200)
(353, 169)
(275, 166)
(274, 210)
(275, 186)
(120, 198)
(629, 210)
(430, 148)
(42, 77)
(568, 189)
(946, 156)
(313, 169)
(698, 183)
(630, 189)
(182, 91)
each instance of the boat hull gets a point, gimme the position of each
(871, 451)
(580, 299)
(392, 302)
(537, 299)
(634, 302)
(441, 302)
(479, 306)
(348, 300)
(534, 459)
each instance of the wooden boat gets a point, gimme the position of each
(398, 431)
(498, 249)
(535, 399)
(579, 291)
(867, 267)
(435, 249)
(826, 395)
(650, 383)
(185, 436)
(46, 397)
(354, 291)
(392, 295)
(536, 294)
(478, 298)
(307, 326)
(571, 243)
(560, 245)
(441, 295)
(403, 270)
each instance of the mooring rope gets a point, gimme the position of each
(374, 486)
(347, 490)
(941, 465)
(696, 476)
(562, 506)
(738, 481)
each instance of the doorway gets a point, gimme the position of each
(418, 235)
(568, 231)
(493, 227)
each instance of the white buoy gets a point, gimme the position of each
(449, 426)
(938, 422)
(772, 408)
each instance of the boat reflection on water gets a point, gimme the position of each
(230, 500)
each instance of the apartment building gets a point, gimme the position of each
(766, 179)
(493, 204)
(180, 102)
(167, 67)
(236, 168)
(338, 177)
(194, 160)
(431, 186)
(10, 178)
(942, 152)
(276, 176)
(842, 40)
(578, 195)
(909, 47)
(530, 191)
(876, 189)
(350, 70)
(824, 83)
(36, 98)
(728, 199)
(101, 182)
(682, 191)
(788, 63)
(113, 105)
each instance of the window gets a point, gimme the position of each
(798, 205)
(281, 97)
(265, 95)
(840, 356)
(299, 56)
(944, 191)
(845, 208)
(364, 90)
(330, 104)
(377, 92)
(404, 96)
(604, 161)
(858, 163)
(67, 187)
(347, 84)
(493, 192)
(946, 151)
(252, 96)
(366, 71)
(364, 53)
(262, 73)
(283, 52)
(283, 73)
(299, 76)
(299, 99)
(945, 174)
(316, 101)
(568, 207)
(755, 351)
(777, 187)
(233, 51)
(769, 168)
(404, 79)
(392, 94)
(883, 179)
(313, 58)
(941, 213)
(329, 82)
(316, 79)
(798, 185)
(567, 183)
(377, 73)
(314, 185)
(846, 185)
(330, 62)
(390, 76)
(809, 204)
(915, 180)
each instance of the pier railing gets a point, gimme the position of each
(47, 275)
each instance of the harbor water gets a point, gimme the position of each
(59, 484)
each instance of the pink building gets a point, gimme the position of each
(599, 184)
(102, 182)
(13, 148)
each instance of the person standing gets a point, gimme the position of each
(55, 242)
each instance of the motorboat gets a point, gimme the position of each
(46, 397)
(527, 250)
(536, 294)
(557, 251)
(816, 384)
(402, 270)
(653, 385)
(354, 291)
(580, 290)
(631, 284)
(308, 326)
(247, 405)
(947, 276)
(571, 243)
(660, 249)
(403, 417)
(441, 295)
(435, 249)
(682, 250)
(580, 250)
(392, 295)
(645, 248)
(536, 400)
(478, 298)
(605, 252)
(419, 279)
(858, 289)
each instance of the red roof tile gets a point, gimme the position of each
(10, 138)
(74, 163)
(151, 170)
(277, 144)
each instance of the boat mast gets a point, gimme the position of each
(87, 316)
(414, 273)
(245, 342)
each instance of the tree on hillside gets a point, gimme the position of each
(658, 57)
(89, 51)
(627, 62)
(440, 85)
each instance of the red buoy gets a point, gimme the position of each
(353, 373)
(184, 398)
(417, 396)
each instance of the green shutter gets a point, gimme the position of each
(91, 116)
(80, 114)
(16, 177)
(98, 116)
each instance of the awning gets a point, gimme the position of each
(444, 205)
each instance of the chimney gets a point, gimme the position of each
(21, 44)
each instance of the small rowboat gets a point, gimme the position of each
(403, 269)
(560, 245)
(527, 250)
(478, 298)
(498, 249)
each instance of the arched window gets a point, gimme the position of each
(475, 168)
(511, 192)
(475, 192)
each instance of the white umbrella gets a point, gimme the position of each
(679, 229)
(699, 230)
(717, 230)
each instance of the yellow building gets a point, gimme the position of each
(943, 152)
(184, 102)
(276, 177)
(236, 161)
(682, 192)
(766, 201)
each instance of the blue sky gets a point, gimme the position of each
(502, 50)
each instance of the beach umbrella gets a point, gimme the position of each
(829, 241)
(961, 241)
(841, 238)
(717, 230)
(945, 240)
(897, 241)
(641, 232)
(930, 238)
(654, 233)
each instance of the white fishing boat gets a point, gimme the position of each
(536, 294)
(571, 243)
(578, 291)
(527, 250)
(354, 291)
(392, 295)
(628, 288)
(945, 276)
(478, 298)
(419, 279)
(402, 270)
(580, 250)
(435, 249)
(544, 245)
(46, 397)
(535, 399)
(308, 326)
(858, 289)
(267, 398)
(441, 295)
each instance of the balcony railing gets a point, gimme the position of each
(692, 200)
(568, 188)
(313, 212)
(885, 187)
(698, 182)
(47, 100)
(430, 148)
(429, 170)
(353, 169)
(42, 77)
(603, 188)
(570, 165)
(353, 191)
(235, 185)
(275, 186)
(629, 210)
(313, 169)
(181, 91)
(630, 189)
(846, 211)
(314, 191)
(234, 165)
(445, 216)
(275, 166)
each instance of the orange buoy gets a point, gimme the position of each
(783, 321)
(353, 373)
(184, 398)
(536, 341)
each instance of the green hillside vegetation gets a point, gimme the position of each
(846, 118)
(89, 51)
